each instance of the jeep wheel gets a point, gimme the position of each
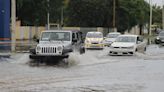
(145, 49)
(136, 50)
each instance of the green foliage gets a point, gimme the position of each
(34, 12)
(157, 15)
(87, 13)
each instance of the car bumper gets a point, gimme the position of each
(94, 46)
(121, 52)
(52, 57)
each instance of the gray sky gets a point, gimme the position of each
(158, 2)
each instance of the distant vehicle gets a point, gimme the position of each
(127, 45)
(160, 38)
(110, 38)
(55, 45)
(94, 40)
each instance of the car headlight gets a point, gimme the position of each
(101, 41)
(38, 48)
(131, 47)
(59, 48)
(111, 47)
(86, 41)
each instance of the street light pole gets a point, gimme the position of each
(150, 3)
(48, 15)
(13, 24)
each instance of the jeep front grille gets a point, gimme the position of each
(48, 49)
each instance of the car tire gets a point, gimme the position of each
(145, 49)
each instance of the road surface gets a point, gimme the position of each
(95, 71)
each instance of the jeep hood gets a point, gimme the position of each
(54, 43)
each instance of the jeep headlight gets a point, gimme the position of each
(157, 38)
(38, 48)
(59, 48)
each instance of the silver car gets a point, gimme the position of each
(110, 38)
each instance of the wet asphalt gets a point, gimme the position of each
(94, 71)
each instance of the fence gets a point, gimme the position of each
(24, 35)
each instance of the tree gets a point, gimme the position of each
(92, 13)
(34, 12)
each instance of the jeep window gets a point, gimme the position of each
(45, 36)
(73, 36)
(56, 36)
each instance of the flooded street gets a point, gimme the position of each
(95, 71)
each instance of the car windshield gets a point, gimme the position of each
(112, 35)
(94, 35)
(161, 34)
(55, 36)
(126, 39)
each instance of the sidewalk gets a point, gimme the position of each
(5, 55)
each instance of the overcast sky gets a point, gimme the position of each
(158, 2)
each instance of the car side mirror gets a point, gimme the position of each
(138, 42)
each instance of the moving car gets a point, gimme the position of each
(127, 45)
(160, 38)
(94, 40)
(55, 45)
(110, 38)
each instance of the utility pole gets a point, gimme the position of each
(48, 14)
(114, 16)
(163, 16)
(150, 3)
(62, 17)
(13, 24)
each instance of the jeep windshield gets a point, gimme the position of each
(55, 36)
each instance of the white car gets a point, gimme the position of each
(110, 38)
(127, 45)
(94, 40)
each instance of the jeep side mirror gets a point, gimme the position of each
(37, 40)
(74, 40)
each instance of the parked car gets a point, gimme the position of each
(55, 45)
(160, 38)
(110, 38)
(127, 45)
(94, 40)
